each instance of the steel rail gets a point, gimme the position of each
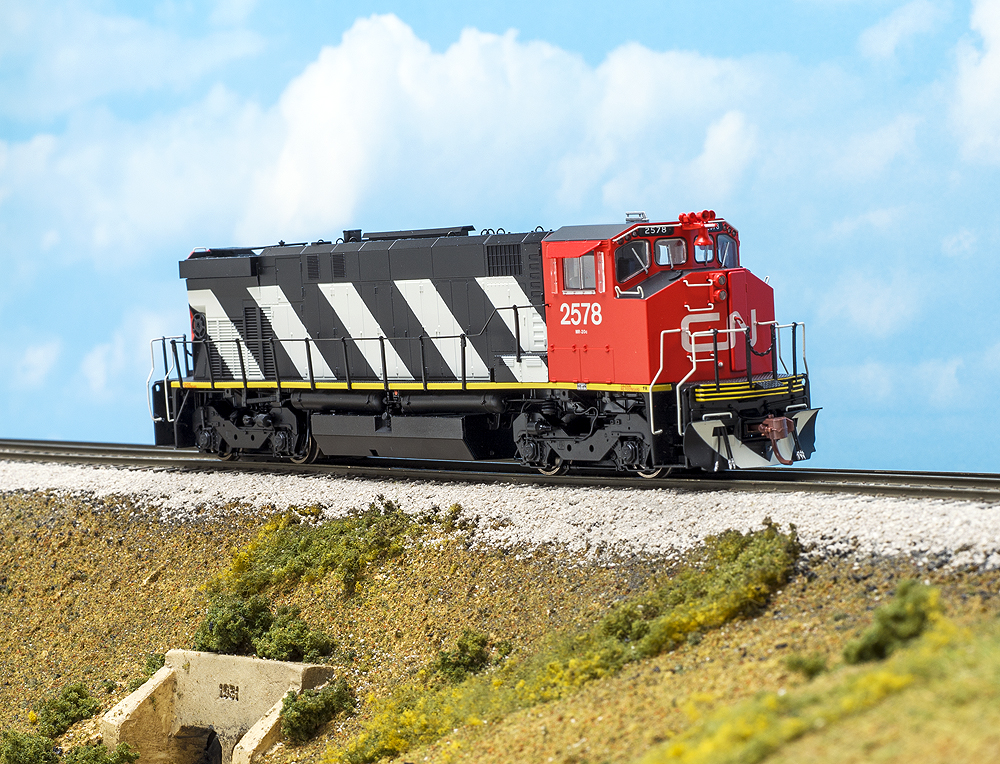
(978, 487)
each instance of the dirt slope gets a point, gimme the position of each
(88, 591)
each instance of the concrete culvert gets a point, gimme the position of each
(213, 750)
(204, 708)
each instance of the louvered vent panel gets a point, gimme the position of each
(259, 333)
(503, 259)
(537, 294)
(223, 354)
(312, 267)
(339, 265)
(268, 348)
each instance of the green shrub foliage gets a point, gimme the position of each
(290, 639)
(58, 714)
(232, 624)
(154, 662)
(896, 623)
(236, 626)
(17, 748)
(303, 713)
(287, 550)
(99, 754)
(810, 666)
(470, 656)
(732, 575)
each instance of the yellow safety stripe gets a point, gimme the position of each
(742, 391)
(299, 385)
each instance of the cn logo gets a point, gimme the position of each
(736, 322)
(703, 343)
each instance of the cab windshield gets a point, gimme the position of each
(630, 259)
(726, 246)
(671, 252)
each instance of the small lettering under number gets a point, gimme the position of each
(229, 692)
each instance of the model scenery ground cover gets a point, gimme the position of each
(743, 651)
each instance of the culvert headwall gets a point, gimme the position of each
(169, 719)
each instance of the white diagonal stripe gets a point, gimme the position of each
(205, 301)
(504, 292)
(530, 368)
(352, 311)
(438, 322)
(288, 326)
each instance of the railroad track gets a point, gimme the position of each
(936, 485)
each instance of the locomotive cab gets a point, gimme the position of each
(668, 310)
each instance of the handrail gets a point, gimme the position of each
(774, 351)
(168, 367)
(638, 291)
(664, 333)
(463, 339)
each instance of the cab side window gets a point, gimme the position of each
(631, 259)
(704, 254)
(579, 273)
(671, 252)
(726, 246)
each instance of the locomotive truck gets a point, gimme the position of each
(638, 346)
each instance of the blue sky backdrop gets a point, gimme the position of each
(854, 144)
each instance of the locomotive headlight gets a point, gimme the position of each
(722, 294)
(721, 279)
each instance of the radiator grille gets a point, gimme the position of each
(503, 259)
(339, 265)
(312, 267)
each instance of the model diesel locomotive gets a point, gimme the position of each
(638, 346)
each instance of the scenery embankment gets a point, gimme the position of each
(450, 646)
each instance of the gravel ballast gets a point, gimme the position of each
(599, 522)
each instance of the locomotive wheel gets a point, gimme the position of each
(559, 467)
(310, 456)
(227, 453)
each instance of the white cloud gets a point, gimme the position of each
(232, 12)
(381, 130)
(933, 382)
(873, 306)
(868, 155)
(112, 368)
(873, 220)
(937, 381)
(32, 369)
(877, 381)
(50, 239)
(975, 112)
(962, 243)
(495, 123)
(881, 40)
(730, 145)
(990, 359)
(108, 189)
(67, 55)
